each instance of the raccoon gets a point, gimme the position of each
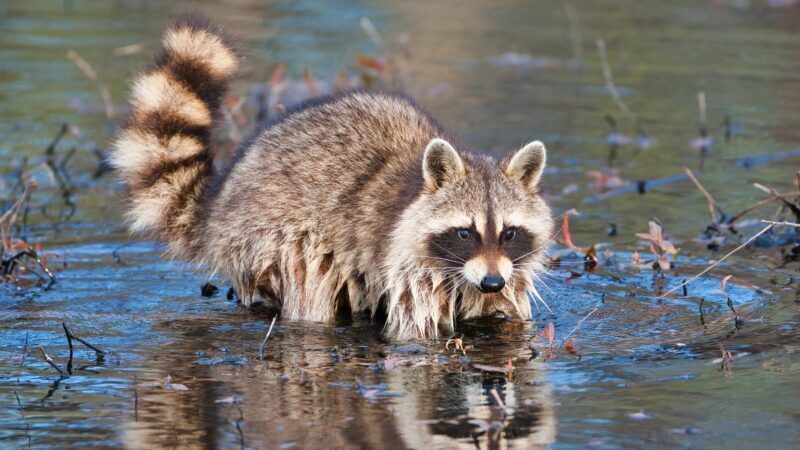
(353, 203)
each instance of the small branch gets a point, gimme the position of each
(701, 106)
(612, 88)
(757, 160)
(577, 326)
(52, 363)
(782, 224)
(69, 342)
(264, 342)
(371, 31)
(574, 31)
(70, 335)
(640, 187)
(91, 74)
(712, 204)
(644, 186)
(707, 269)
(736, 217)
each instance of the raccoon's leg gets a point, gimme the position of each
(312, 279)
(421, 310)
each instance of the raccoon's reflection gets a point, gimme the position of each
(462, 410)
(308, 397)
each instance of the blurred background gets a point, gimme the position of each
(620, 91)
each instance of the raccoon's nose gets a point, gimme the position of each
(492, 283)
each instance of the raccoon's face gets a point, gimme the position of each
(488, 225)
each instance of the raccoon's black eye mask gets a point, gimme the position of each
(455, 246)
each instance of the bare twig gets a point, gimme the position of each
(53, 363)
(574, 31)
(757, 160)
(71, 349)
(91, 74)
(577, 326)
(24, 352)
(701, 106)
(707, 269)
(736, 217)
(70, 335)
(371, 31)
(712, 204)
(9, 218)
(612, 88)
(264, 342)
(782, 224)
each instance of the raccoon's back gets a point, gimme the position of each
(343, 166)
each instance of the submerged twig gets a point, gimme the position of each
(713, 207)
(577, 326)
(71, 349)
(264, 342)
(70, 335)
(707, 269)
(53, 363)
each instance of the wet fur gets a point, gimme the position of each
(326, 210)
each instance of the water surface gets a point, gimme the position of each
(648, 375)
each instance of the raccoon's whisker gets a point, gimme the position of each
(443, 259)
(448, 251)
(527, 254)
(541, 281)
(538, 297)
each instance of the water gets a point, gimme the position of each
(648, 375)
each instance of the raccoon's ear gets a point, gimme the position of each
(441, 164)
(526, 165)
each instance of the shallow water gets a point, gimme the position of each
(648, 375)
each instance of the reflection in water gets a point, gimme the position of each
(307, 394)
(648, 375)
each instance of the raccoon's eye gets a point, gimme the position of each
(509, 234)
(464, 233)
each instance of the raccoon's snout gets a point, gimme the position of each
(492, 283)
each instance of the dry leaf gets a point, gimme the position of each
(549, 333)
(569, 347)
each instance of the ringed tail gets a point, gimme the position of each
(163, 152)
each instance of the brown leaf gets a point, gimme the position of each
(569, 347)
(566, 234)
(369, 62)
(277, 74)
(549, 333)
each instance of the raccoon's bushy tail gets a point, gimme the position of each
(163, 152)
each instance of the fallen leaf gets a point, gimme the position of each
(369, 62)
(569, 347)
(549, 333)
(276, 77)
(566, 234)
